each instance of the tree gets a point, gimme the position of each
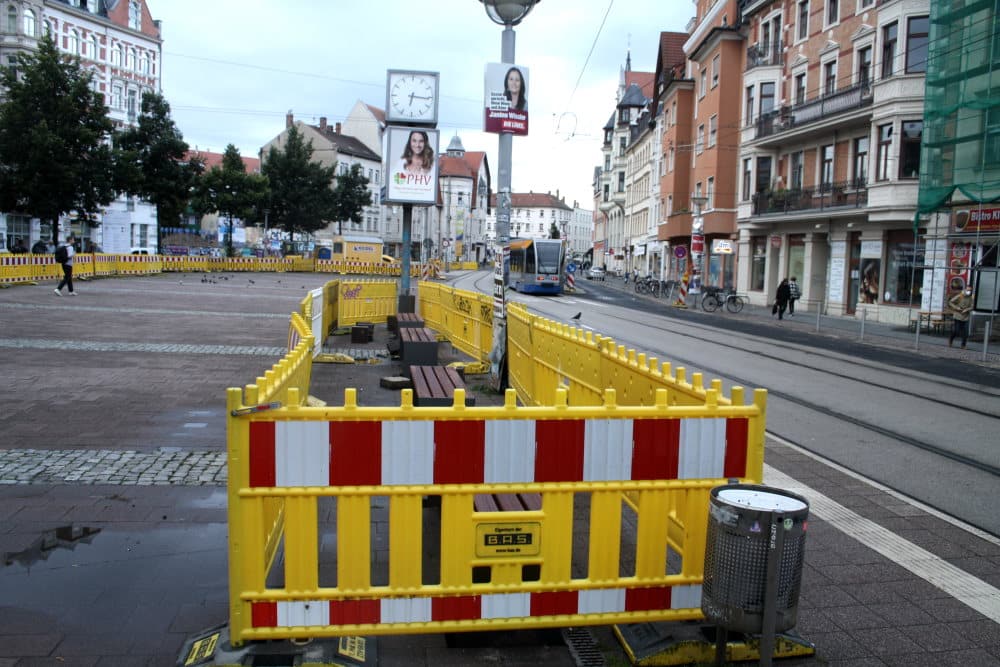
(55, 154)
(151, 163)
(300, 197)
(350, 197)
(554, 232)
(229, 191)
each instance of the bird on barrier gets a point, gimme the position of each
(577, 316)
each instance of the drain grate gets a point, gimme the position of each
(583, 647)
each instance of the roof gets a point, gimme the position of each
(346, 144)
(610, 125)
(533, 200)
(215, 160)
(672, 50)
(633, 97)
(644, 80)
(378, 113)
(455, 167)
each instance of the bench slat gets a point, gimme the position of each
(484, 502)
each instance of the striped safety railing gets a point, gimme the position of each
(341, 495)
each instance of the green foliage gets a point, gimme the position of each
(229, 191)
(151, 161)
(351, 196)
(300, 197)
(54, 129)
(554, 232)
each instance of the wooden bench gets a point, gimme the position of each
(436, 385)
(507, 502)
(403, 320)
(418, 346)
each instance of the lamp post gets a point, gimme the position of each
(507, 13)
(697, 242)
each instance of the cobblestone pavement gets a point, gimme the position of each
(105, 466)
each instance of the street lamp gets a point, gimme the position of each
(507, 13)
(697, 241)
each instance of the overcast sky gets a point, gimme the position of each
(233, 68)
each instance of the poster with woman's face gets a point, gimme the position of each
(506, 99)
(411, 165)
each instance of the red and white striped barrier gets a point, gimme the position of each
(570, 281)
(389, 453)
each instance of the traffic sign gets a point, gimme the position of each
(571, 268)
(680, 252)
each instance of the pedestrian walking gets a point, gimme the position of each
(794, 295)
(64, 255)
(781, 298)
(961, 307)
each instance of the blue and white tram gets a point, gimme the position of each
(536, 265)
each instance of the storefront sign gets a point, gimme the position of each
(722, 247)
(977, 221)
(640, 250)
(697, 243)
(835, 291)
(775, 241)
(871, 249)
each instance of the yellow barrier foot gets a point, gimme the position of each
(694, 643)
(680, 304)
(212, 647)
(313, 402)
(470, 367)
(337, 358)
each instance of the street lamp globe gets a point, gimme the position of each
(508, 12)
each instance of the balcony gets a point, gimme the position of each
(764, 54)
(825, 197)
(851, 98)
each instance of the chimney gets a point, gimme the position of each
(289, 119)
(337, 128)
(322, 123)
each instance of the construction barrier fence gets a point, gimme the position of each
(465, 318)
(371, 520)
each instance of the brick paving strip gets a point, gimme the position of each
(110, 467)
(173, 348)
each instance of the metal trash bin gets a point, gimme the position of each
(755, 533)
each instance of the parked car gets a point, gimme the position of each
(595, 273)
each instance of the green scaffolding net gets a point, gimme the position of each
(961, 134)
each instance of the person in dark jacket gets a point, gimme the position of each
(781, 298)
(795, 295)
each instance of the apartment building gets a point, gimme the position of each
(642, 185)
(121, 45)
(634, 96)
(830, 135)
(457, 228)
(532, 215)
(579, 233)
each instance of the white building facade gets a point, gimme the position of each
(121, 45)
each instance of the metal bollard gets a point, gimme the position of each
(986, 340)
(864, 316)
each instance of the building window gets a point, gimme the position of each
(830, 78)
(144, 63)
(12, 19)
(133, 104)
(763, 173)
(701, 82)
(747, 175)
(673, 111)
(826, 166)
(909, 149)
(621, 181)
(795, 169)
(73, 42)
(903, 270)
(134, 15)
(607, 163)
(670, 159)
(621, 146)
(116, 96)
(713, 130)
(758, 249)
(710, 194)
(865, 66)
(29, 23)
(699, 142)
(992, 143)
(92, 6)
(130, 59)
(860, 162)
(803, 24)
(832, 11)
(116, 55)
(749, 102)
(95, 48)
(889, 37)
(766, 97)
(884, 146)
(800, 88)
(715, 70)
(916, 44)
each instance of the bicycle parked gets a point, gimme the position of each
(717, 296)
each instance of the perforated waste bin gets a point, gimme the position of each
(748, 525)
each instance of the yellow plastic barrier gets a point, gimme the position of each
(466, 318)
(365, 301)
(580, 556)
(16, 269)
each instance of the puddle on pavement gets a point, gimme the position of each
(63, 537)
(218, 499)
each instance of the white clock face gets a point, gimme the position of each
(412, 96)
